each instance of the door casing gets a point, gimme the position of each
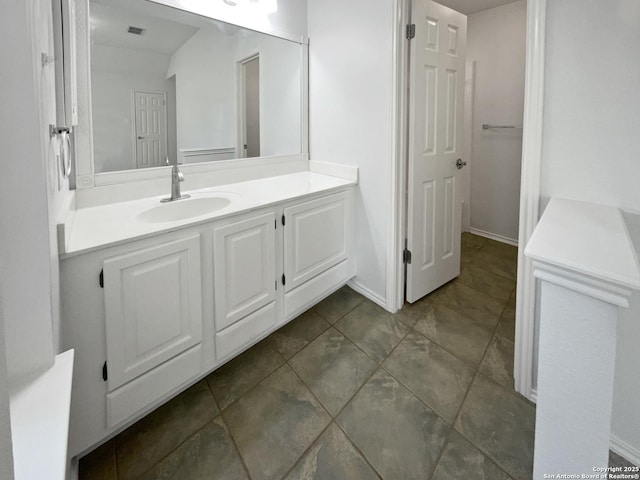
(529, 189)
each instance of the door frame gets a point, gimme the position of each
(524, 359)
(240, 88)
(134, 132)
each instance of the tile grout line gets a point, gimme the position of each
(231, 437)
(236, 447)
(181, 443)
(476, 373)
(334, 418)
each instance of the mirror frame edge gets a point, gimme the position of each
(87, 178)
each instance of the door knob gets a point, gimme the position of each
(460, 164)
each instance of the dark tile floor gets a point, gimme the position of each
(349, 391)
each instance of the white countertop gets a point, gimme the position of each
(40, 422)
(108, 225)
(586, 238)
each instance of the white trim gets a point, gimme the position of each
(188, 156)
(603, 290)
(85, 176)
(397, 173)
(626, 451)
(494, 236)
(241, 126)
(153, 173)
(530, 195)
(365, 292)
(467, 141)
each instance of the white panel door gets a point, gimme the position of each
(244, 267)
(153, 306)
(435, 144)
(315, 238)
(150, 129)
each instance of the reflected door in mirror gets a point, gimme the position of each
(228, 92)
(150, 128)
(251, 113)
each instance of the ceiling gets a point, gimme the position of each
(166, 29)
(469, 7)
(109, 26)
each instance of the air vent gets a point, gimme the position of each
(136, 30)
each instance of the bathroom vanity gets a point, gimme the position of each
(156, 296)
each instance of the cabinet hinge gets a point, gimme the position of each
(101, 279)
(411, 31)
(275, 224)
(105, 373)
(282, 220)
(284, 280)
(276, 282)
(406, 256)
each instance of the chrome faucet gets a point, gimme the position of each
(176, 178)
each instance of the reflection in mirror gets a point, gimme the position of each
(167, 84)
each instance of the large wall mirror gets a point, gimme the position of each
(166, 85)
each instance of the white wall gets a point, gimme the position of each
(6, 450)
(280, 94)
(29, 260)
(115, 73)
(591, 143)
(350, 68)
(207, 90)
(496, 43)
(591, 123)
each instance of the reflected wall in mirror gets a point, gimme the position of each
(168, 84)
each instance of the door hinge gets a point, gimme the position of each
(276, 282)
(284, 280)
(283, 220)
(275, 224)
(101, 279)
(105, 373)
(406, 256)
(411, 31)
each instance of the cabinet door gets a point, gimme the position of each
(315, 238)
(244, 267)
(153, 306)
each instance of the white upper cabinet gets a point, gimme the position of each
(315, 237)
(244, 261)
(153, 307)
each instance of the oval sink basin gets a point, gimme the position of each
(183, 209)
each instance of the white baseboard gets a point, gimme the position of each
(622, 448)
(494, 236)
(625, 450)
(365, 292)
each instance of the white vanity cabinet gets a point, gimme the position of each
(317, 249)
(244, 266)
(150, 317)
(153, 315)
